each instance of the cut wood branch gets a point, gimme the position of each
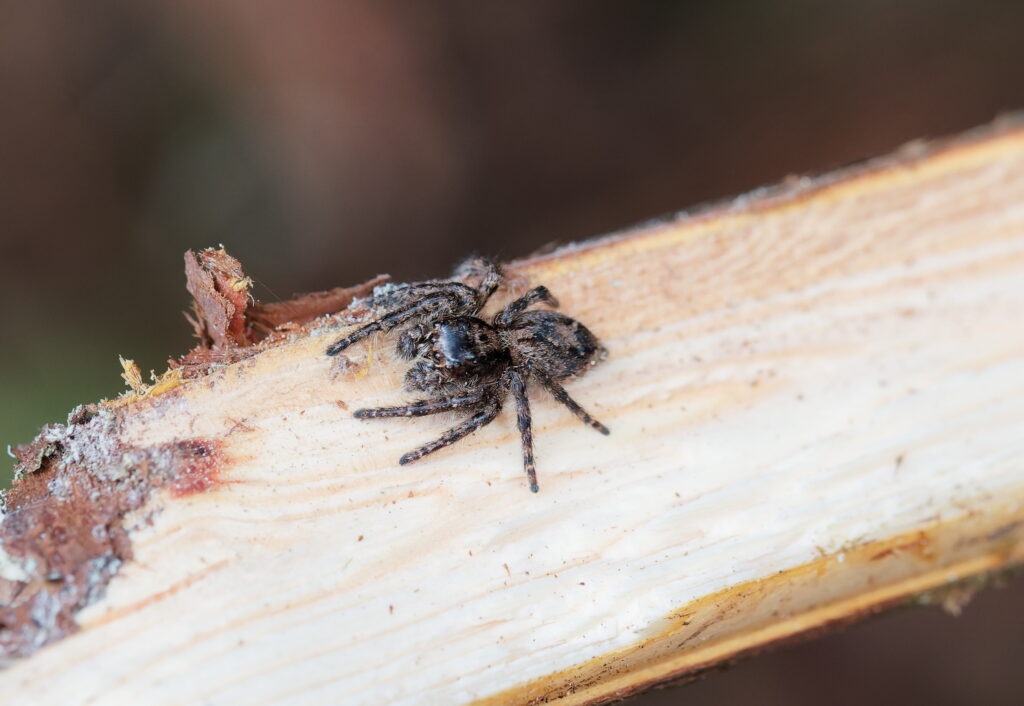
(816, 396)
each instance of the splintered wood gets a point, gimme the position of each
(816, 397)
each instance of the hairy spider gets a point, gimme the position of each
(465, 363)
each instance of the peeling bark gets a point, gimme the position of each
(65, 528)
(64, 532)
(232, 326)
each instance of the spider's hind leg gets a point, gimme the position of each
(515, 383)
(559, 393)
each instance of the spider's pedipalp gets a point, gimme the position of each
(409, 341)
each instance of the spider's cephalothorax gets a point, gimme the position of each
(468, 364)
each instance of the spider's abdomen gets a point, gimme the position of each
(556, 345)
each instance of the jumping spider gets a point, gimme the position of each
(465, 363)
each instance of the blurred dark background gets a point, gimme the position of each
(323, 142)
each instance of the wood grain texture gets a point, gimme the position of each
(816, 397)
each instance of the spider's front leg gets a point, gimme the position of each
(427, 305)
(487, 274)
(480, 419)
(425, 407)
(421, 408)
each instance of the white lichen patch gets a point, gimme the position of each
(13, 568)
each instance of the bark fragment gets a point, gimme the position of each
(231, 325)
(63, 526)
(63, 532)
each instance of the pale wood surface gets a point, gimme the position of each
(816, 401)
